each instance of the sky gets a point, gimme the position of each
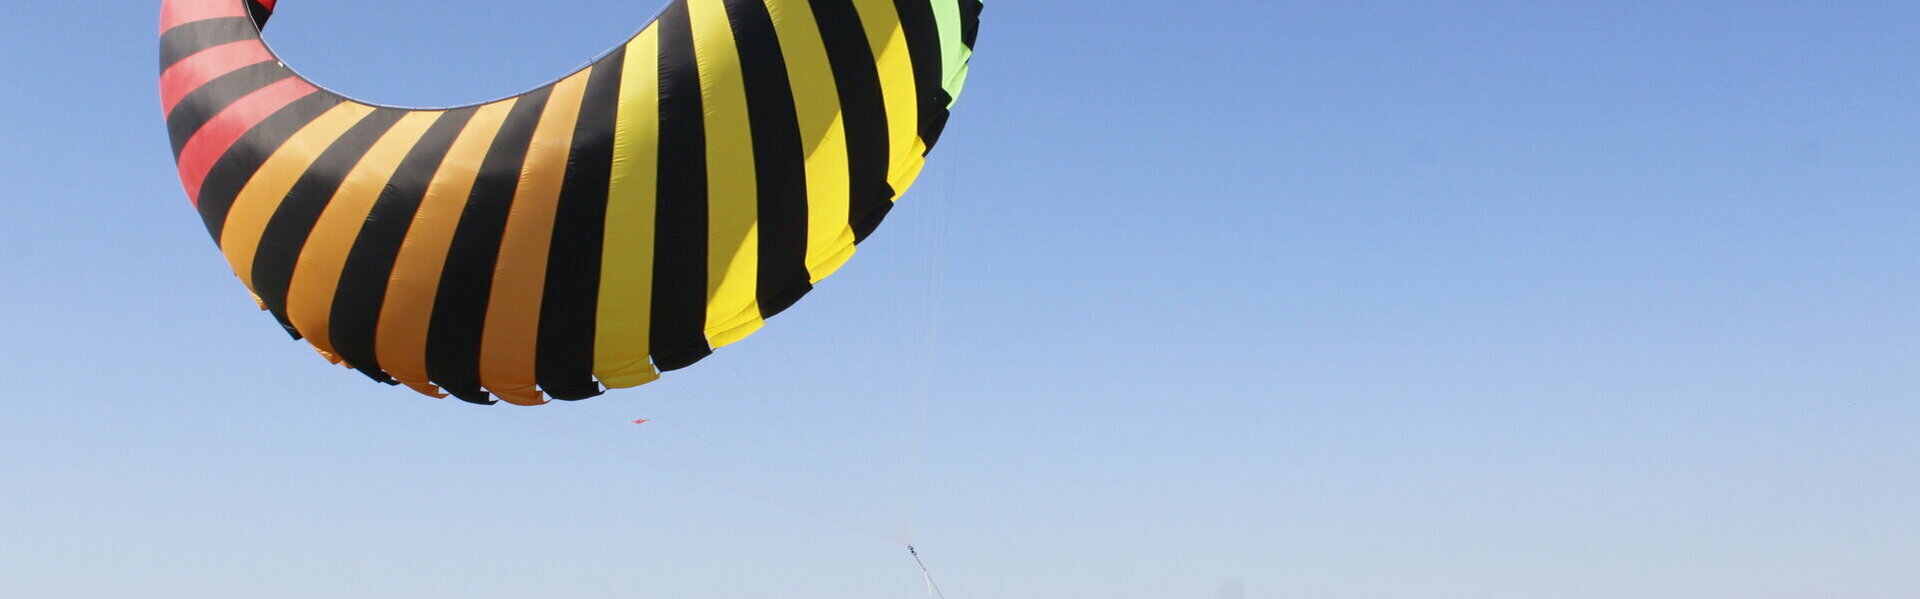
(1235, 300)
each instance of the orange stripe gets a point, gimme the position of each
(316, 277)
(507, 347)
(261, 198)
(401, 343)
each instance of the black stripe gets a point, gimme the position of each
(233, 170)
(970, 21)
(203, 104)
(779, 158)
(355, 321)
(680, 242)
(186, 40)
(287, 231)
(864, 109)
(570, 302)
(466, 283)
(929, 71)
(258, 12)
(869, 221)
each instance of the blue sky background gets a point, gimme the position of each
(1241, 300)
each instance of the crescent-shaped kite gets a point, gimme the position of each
(625, 220)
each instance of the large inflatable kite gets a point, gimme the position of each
(623, 221)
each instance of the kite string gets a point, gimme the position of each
(937, 240)
(797, 433)
(933, 588)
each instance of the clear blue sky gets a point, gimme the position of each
(1242, 300)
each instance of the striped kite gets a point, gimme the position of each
(626, 220)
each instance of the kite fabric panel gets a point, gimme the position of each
(626, 220)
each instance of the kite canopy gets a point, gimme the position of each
(622, 221)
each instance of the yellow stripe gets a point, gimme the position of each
(510, 341)
(895, 61)
(408, 308)
(817, 101)
(625, 313)
(317, 276)
(733, 239)
(261, 197)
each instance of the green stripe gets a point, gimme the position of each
(947, 14)
(953, 46)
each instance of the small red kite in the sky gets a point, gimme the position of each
(642, 421)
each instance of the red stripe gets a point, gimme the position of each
(188, 75)
(175, 13)
(213, 140)
(268, 4)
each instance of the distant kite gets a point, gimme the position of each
(625, 220)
